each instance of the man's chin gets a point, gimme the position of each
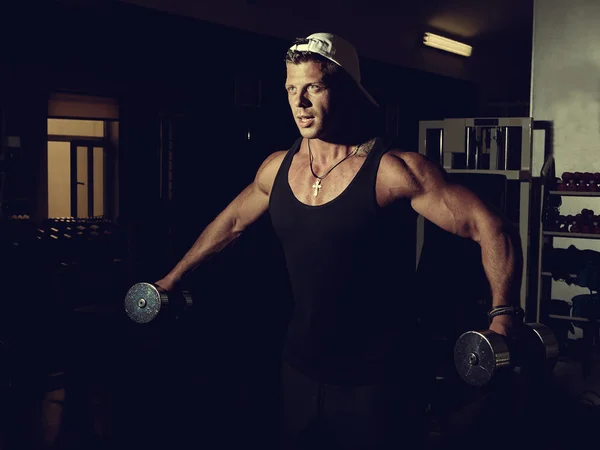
(309, 133)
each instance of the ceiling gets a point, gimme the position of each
(391, 32)
(466, 18)
(381, 29)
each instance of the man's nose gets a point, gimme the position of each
(301, 100)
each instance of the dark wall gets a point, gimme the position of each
(171, 69)
(165, 69)
(184, 70)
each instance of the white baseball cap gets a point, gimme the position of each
(338, 50)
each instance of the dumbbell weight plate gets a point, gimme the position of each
(547, 338)
(143, 302)
(479, 355)
(541, 348)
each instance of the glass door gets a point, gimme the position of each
(87, 180)
(76, 171)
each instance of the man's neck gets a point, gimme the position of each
(325, 151)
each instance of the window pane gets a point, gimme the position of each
(82, 181)
(69, 127)
(59, 179)
(98, 181)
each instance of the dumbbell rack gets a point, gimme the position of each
(485, 146)
(544, 281)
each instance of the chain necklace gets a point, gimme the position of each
(317, 185)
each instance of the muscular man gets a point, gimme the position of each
(349, 378)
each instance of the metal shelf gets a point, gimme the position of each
(549, 274)
(564, 234)
(574, 193)
(544, 291)
(509, 174)
(569, 318)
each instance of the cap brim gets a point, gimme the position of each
(369, 96)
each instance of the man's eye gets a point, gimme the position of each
(314, 88)
(291, 89)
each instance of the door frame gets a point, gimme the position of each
(90, 144)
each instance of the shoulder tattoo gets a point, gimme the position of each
(365, 148)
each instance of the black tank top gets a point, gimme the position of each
(351, 264)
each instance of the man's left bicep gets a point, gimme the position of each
(451, 206)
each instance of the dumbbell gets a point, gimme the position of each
(480, 356)
(144, 302)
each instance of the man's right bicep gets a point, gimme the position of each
(248, 206)
(253, 201)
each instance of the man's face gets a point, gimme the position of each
(310, 99)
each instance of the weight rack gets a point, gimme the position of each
(485, 146)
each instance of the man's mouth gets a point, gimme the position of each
(305, 120)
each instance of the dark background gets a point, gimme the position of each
(215, 370)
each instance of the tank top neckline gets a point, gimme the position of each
(341, 194)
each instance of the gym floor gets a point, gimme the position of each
(129, 386)
(89, 378)
(558, 414)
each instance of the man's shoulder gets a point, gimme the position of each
(398, 162)
(394, 176)
(275, 158)
(399, 156)
(416, 164)
(407, 173)
(273, 162)
(268, 170)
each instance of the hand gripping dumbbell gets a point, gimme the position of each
(479, 356)
(144, 302)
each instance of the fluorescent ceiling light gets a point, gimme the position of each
(442, 43)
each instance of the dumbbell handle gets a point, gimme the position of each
(164, 296)
(508, 348)
(541, 333)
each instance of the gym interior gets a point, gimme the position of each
(126, 126)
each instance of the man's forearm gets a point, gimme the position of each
(502, 257)
(215, 237)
